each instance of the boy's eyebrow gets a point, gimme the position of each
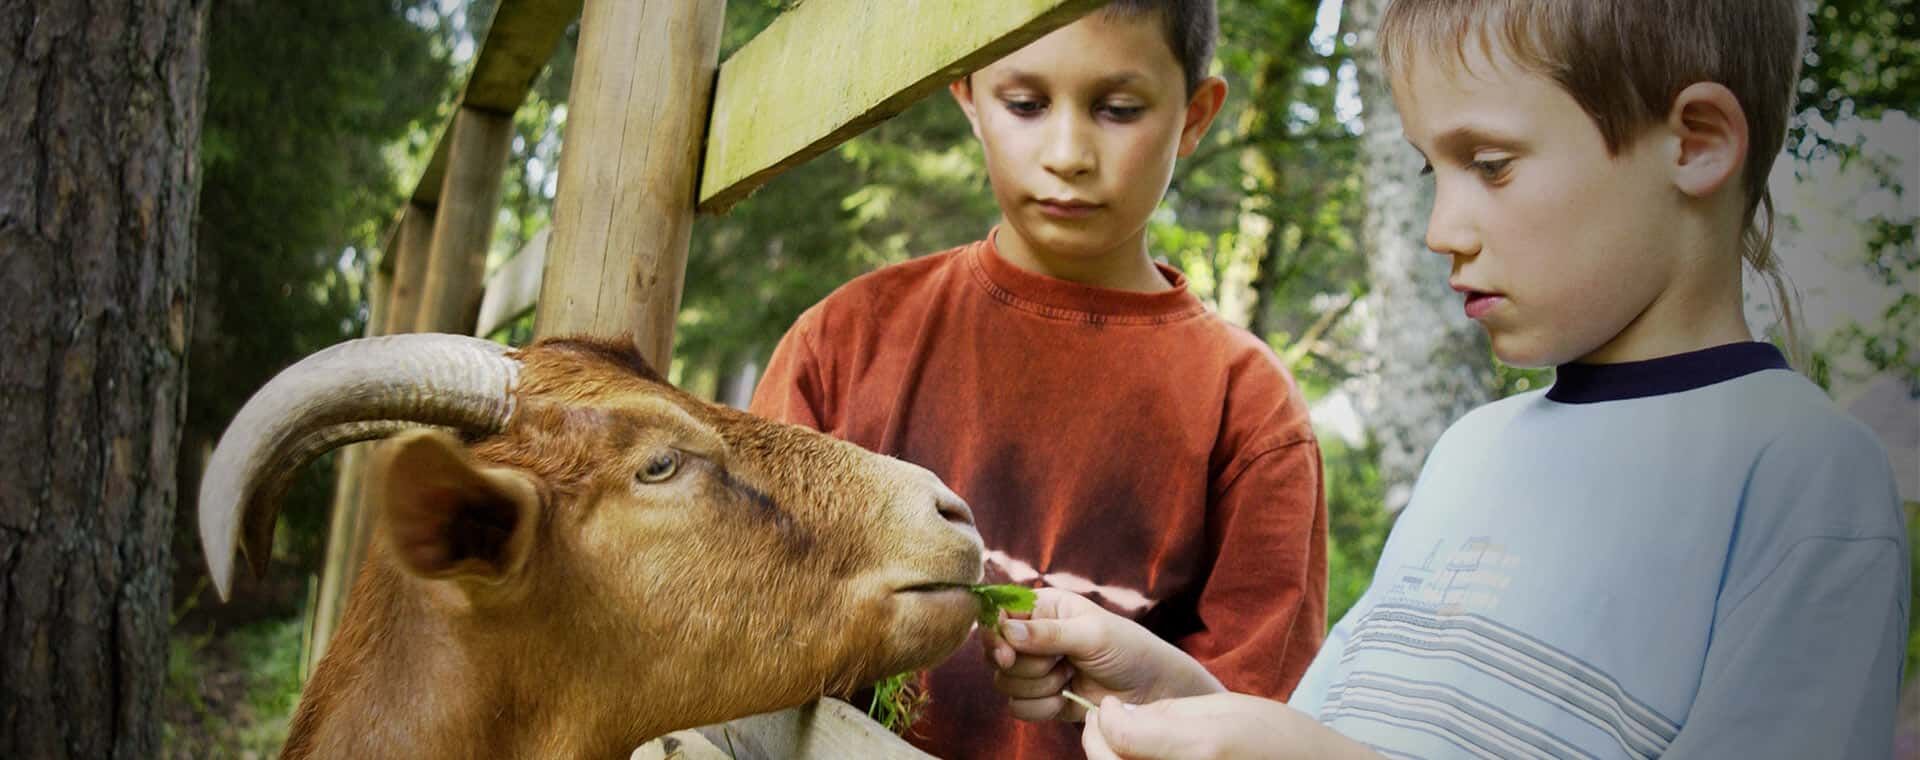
(1467, 134)
(1110, 81)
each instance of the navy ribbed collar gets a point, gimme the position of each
(1592, 383)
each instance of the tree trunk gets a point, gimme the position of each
(98, 181)
(1428, 364)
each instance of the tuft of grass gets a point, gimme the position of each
(897, 702)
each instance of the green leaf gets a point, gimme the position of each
(995, 598)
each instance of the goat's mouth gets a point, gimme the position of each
(935, 587)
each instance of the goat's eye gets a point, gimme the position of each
(660, 467)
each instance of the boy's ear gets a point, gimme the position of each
(962, 91)
(1711, 131)
(447, 515)
(1201, 110)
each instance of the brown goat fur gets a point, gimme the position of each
(530, 594)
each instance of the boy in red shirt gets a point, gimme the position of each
(1114, 437)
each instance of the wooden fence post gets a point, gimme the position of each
(637, 115)
(463, 226)
(413, 242)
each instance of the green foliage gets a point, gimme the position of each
(232, 695)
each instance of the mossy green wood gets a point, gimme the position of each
(829, 69)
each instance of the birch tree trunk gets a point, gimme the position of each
(99, 130)
(1427, 364)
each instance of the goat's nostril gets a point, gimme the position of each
(953, 509)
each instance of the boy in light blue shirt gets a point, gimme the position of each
(1681, 549)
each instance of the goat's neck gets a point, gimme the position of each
(399, 681)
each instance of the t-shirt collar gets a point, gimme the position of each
(1075, 301)
(1591, 383)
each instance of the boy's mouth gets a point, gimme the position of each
(1479, 302)
(1066, 208)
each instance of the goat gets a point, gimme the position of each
(597, 559)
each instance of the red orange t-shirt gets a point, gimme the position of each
(1131, 447)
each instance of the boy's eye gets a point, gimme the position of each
(1024, 107)
(1491, 169)
(1122, 113)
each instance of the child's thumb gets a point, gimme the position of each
(1142, 732)
(1071, 637)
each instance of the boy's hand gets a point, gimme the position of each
(1069, 642)
(1211, 726)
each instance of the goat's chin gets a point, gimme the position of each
(926, 626)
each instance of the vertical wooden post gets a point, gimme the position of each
(463, 227)
(413, 244)
(393, 299)
(637, 115)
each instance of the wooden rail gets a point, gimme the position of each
(830, 69)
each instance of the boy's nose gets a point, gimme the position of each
(1449, 232)
(1068, 152)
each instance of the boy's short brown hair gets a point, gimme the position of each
(1192, 28)
(1624, 61)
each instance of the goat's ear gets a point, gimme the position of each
(448, 516)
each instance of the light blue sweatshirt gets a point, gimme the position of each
(1692, 556)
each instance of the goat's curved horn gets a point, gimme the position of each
(355, 391)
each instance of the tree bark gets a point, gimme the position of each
(1428, 364)
(98, 181)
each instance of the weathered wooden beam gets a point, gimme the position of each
(410, 251)
(463, 223)
(637, 115)
(826, 728)
(512, 290)
(829, 69)
(520, 40)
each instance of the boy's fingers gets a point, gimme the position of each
(1079, 637)
(1041, 710)
(999, 655)
(1032, 665)
(1047, 684)
(1093, 741)
(1145, 732)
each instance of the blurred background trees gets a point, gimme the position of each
(1299, 217)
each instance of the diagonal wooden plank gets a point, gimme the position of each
(520, 40)
(513, 289)
(829, 69)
